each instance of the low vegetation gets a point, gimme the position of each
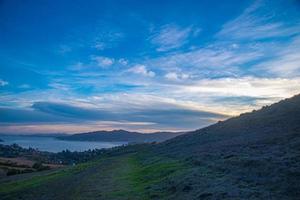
(9, 188)
(127, 175)
(65, 157)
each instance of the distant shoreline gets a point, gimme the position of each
(54, 145)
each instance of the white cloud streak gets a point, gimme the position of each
(286, 61)
(172, 37)
(257, 22)
(174, 76)
(142, 70)
(103, 61)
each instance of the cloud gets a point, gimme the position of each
(143, 113)
(258, 22)
(172, 37)
(11, 116)
(24, 86)
(142, 70)
(123, 61)
(256, 42)
(59, 86)
(103, 61)
(100, 46)
(75, 128)
(245, 86)
(69, 111)
(138, 116)
(285, 62)
(208, 92)
(251, 61)
(174, 76)
(212, 61)
(204, 102)
(3, 83)
(107, 39)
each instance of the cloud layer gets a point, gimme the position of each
(112, 66)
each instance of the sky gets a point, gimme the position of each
(76, 66)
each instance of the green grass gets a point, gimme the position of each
(34, 181)
(140, 178)
(117, 177)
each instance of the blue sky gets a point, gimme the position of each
(73, 66)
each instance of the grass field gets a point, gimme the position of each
(237, 172)
(118, 177)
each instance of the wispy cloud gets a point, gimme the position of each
(208, 91)
(106, 39)
(212, 61)
(175, 76)
(262, 30)
(258, 22)
(103, 61)
(100, 45)
(256, 41)
(246, 86)
(152, 77)
(285, 62)
(142, 70)
(59, 86)
(199, 106)
(172, 37)
(145, 117)
(24, 86)
(78, 128)
(123, 61)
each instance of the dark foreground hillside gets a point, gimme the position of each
(253, 156)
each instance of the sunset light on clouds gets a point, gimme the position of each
(68, 68)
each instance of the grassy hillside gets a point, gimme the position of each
(253, 156)
(116, 177)
(279, 122)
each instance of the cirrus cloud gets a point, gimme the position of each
(172, 36)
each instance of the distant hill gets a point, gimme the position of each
(121, 136)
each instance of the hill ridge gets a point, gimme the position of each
(121, 135)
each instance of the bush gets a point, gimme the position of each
(40, 167)
(11, 172)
